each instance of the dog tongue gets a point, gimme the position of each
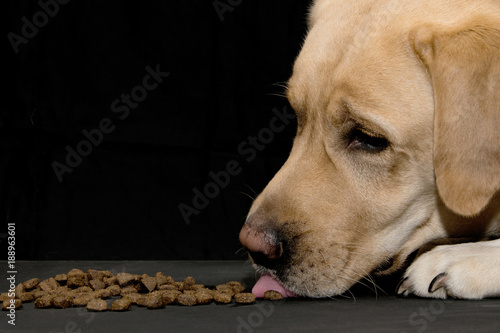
(267, 282)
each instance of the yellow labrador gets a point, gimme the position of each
(398, 145)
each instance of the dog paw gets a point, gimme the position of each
(467, 271)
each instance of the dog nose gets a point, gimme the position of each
(261, 245)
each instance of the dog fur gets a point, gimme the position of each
(397, 145)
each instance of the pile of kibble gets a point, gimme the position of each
(91, 289)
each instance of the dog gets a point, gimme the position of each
(397, 146)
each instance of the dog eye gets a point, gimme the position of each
(361, 139)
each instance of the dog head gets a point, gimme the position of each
(397, 107)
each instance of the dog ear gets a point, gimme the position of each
(464, 68)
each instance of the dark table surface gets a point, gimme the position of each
(366, 312)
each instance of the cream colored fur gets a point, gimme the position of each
(426, 76)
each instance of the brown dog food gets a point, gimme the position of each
(19, 290)
(7, 304)
(84, 289)
(188, 284)
(97, 284)
(121, 304)
(83, 300)
(27, 296)
(222, 297)
(272, 295)
(244, 298)
(128, 290)
(44, 302)
(149, 283)
(237, 286)
(76, 278)
(110, 281)
(62, 279)
(97, 305)
(186, 299)
(168, 287)
(154, 301)
(124, 279)
(77, 288)
(93, 274)
(102, 293)
(114, 289)
(169, 296)
(162, 279)
(142, 300)
(203, 297)
(31, 283)
(38, 293)
(225, 288)
(49, 284)
(62, 302)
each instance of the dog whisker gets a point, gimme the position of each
(277, 95)
(247, 195)
(283, 85)
(241, 249)
(255, 194)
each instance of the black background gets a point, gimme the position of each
(226, 71)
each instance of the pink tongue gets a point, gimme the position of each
(267, 282)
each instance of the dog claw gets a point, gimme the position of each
(438, 282)
(403, 286)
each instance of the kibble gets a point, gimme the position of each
(94, 274)
(188, 283)
(49, 284)
(102, 293)
(90, 288)
(44, 302)
(84, 289)
(27, 297)
(149, 283)
(186, 299)
(133, 298)
(7, 304)
(97, 284)
(31, 283)
(128, 290)
(142, 300)
(61, 302)
(114, 289)
(272, 295)
(163, 279)
(236, 286)
(38, 293)
(97, 305)
(154, 301)
(76, 278)
(203, 297)
(169, 296)
(110, 281)
(168, 287)
(225, 288)
(83, 300)
(62, 279)
(221, 297)
(244, 298)
(124, 279)
(121, 304)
